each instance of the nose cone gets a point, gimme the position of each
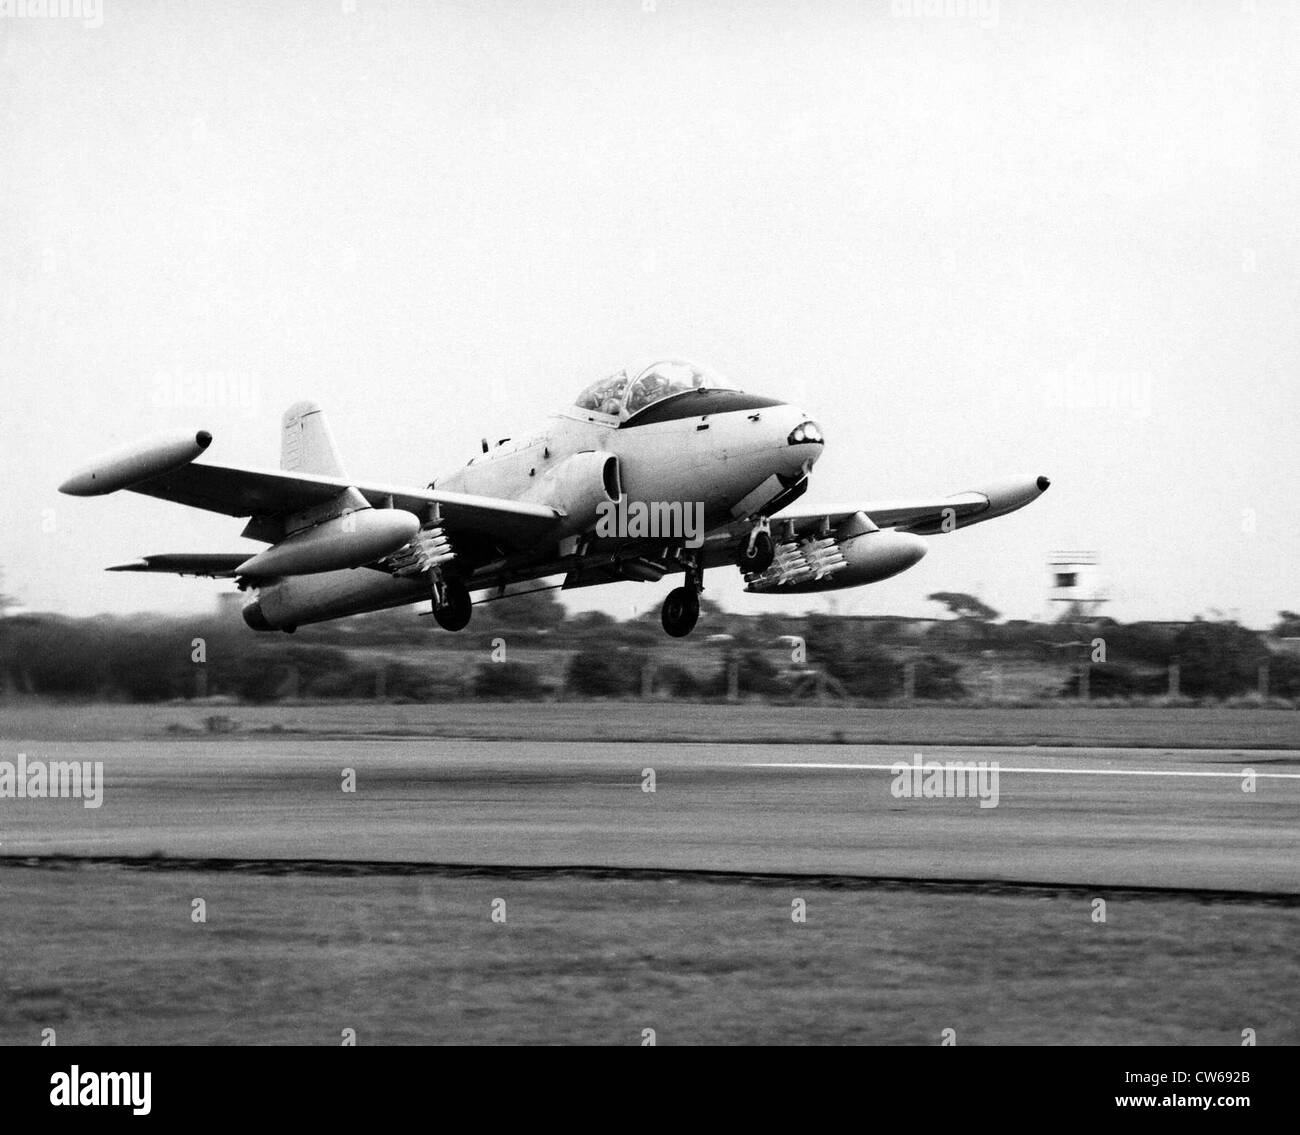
(805, 441)
(766, 437)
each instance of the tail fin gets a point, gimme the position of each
(306, 444)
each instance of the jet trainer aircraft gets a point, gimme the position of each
(652, 471)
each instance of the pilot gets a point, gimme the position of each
(649, 389)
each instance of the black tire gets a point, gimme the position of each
(760, 557)
(454, 614)
(681, 611)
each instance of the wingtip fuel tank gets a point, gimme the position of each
(140, 461)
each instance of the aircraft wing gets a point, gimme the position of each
(926, 516)
(273, 492)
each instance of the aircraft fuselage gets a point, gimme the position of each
(730, 453)
(716, 457)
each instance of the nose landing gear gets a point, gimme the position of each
(757, 553)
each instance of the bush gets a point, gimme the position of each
(537, 609)
(633, 633)
(274, 671)
(603, 671)
(151, 666)
(57, 657)
(352, 683)
(755, 675)
(938, 679)
(1112, 680)
(507, 681)
(1149, 644)
(403, 682)
(1218, 659)
(589, 622)
(1284, 676)
(677, 681)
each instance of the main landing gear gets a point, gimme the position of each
(681, 609)
(452, 606)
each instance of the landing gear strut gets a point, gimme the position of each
(451, 605)
(757, 553)
(682, 606)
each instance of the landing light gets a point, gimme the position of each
(806, 432)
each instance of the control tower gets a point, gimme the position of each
(1076, 593)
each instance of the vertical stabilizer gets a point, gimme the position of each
(306, 444)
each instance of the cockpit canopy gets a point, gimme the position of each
(620, 396)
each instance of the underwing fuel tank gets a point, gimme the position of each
(285, 604)
(139, 461)
(347, 541)
(865, 558)
(873, 556)
(857, 552)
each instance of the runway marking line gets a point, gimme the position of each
(893, 767)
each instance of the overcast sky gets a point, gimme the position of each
(1039, 238)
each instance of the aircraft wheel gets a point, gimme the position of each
(454, 614)
(681, 611)
(759, 557)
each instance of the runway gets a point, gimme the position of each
(1126, 818)
(762, 893)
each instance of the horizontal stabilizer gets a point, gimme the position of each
(217, 565)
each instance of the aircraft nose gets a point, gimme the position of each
(804, 443)
(784, 439)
